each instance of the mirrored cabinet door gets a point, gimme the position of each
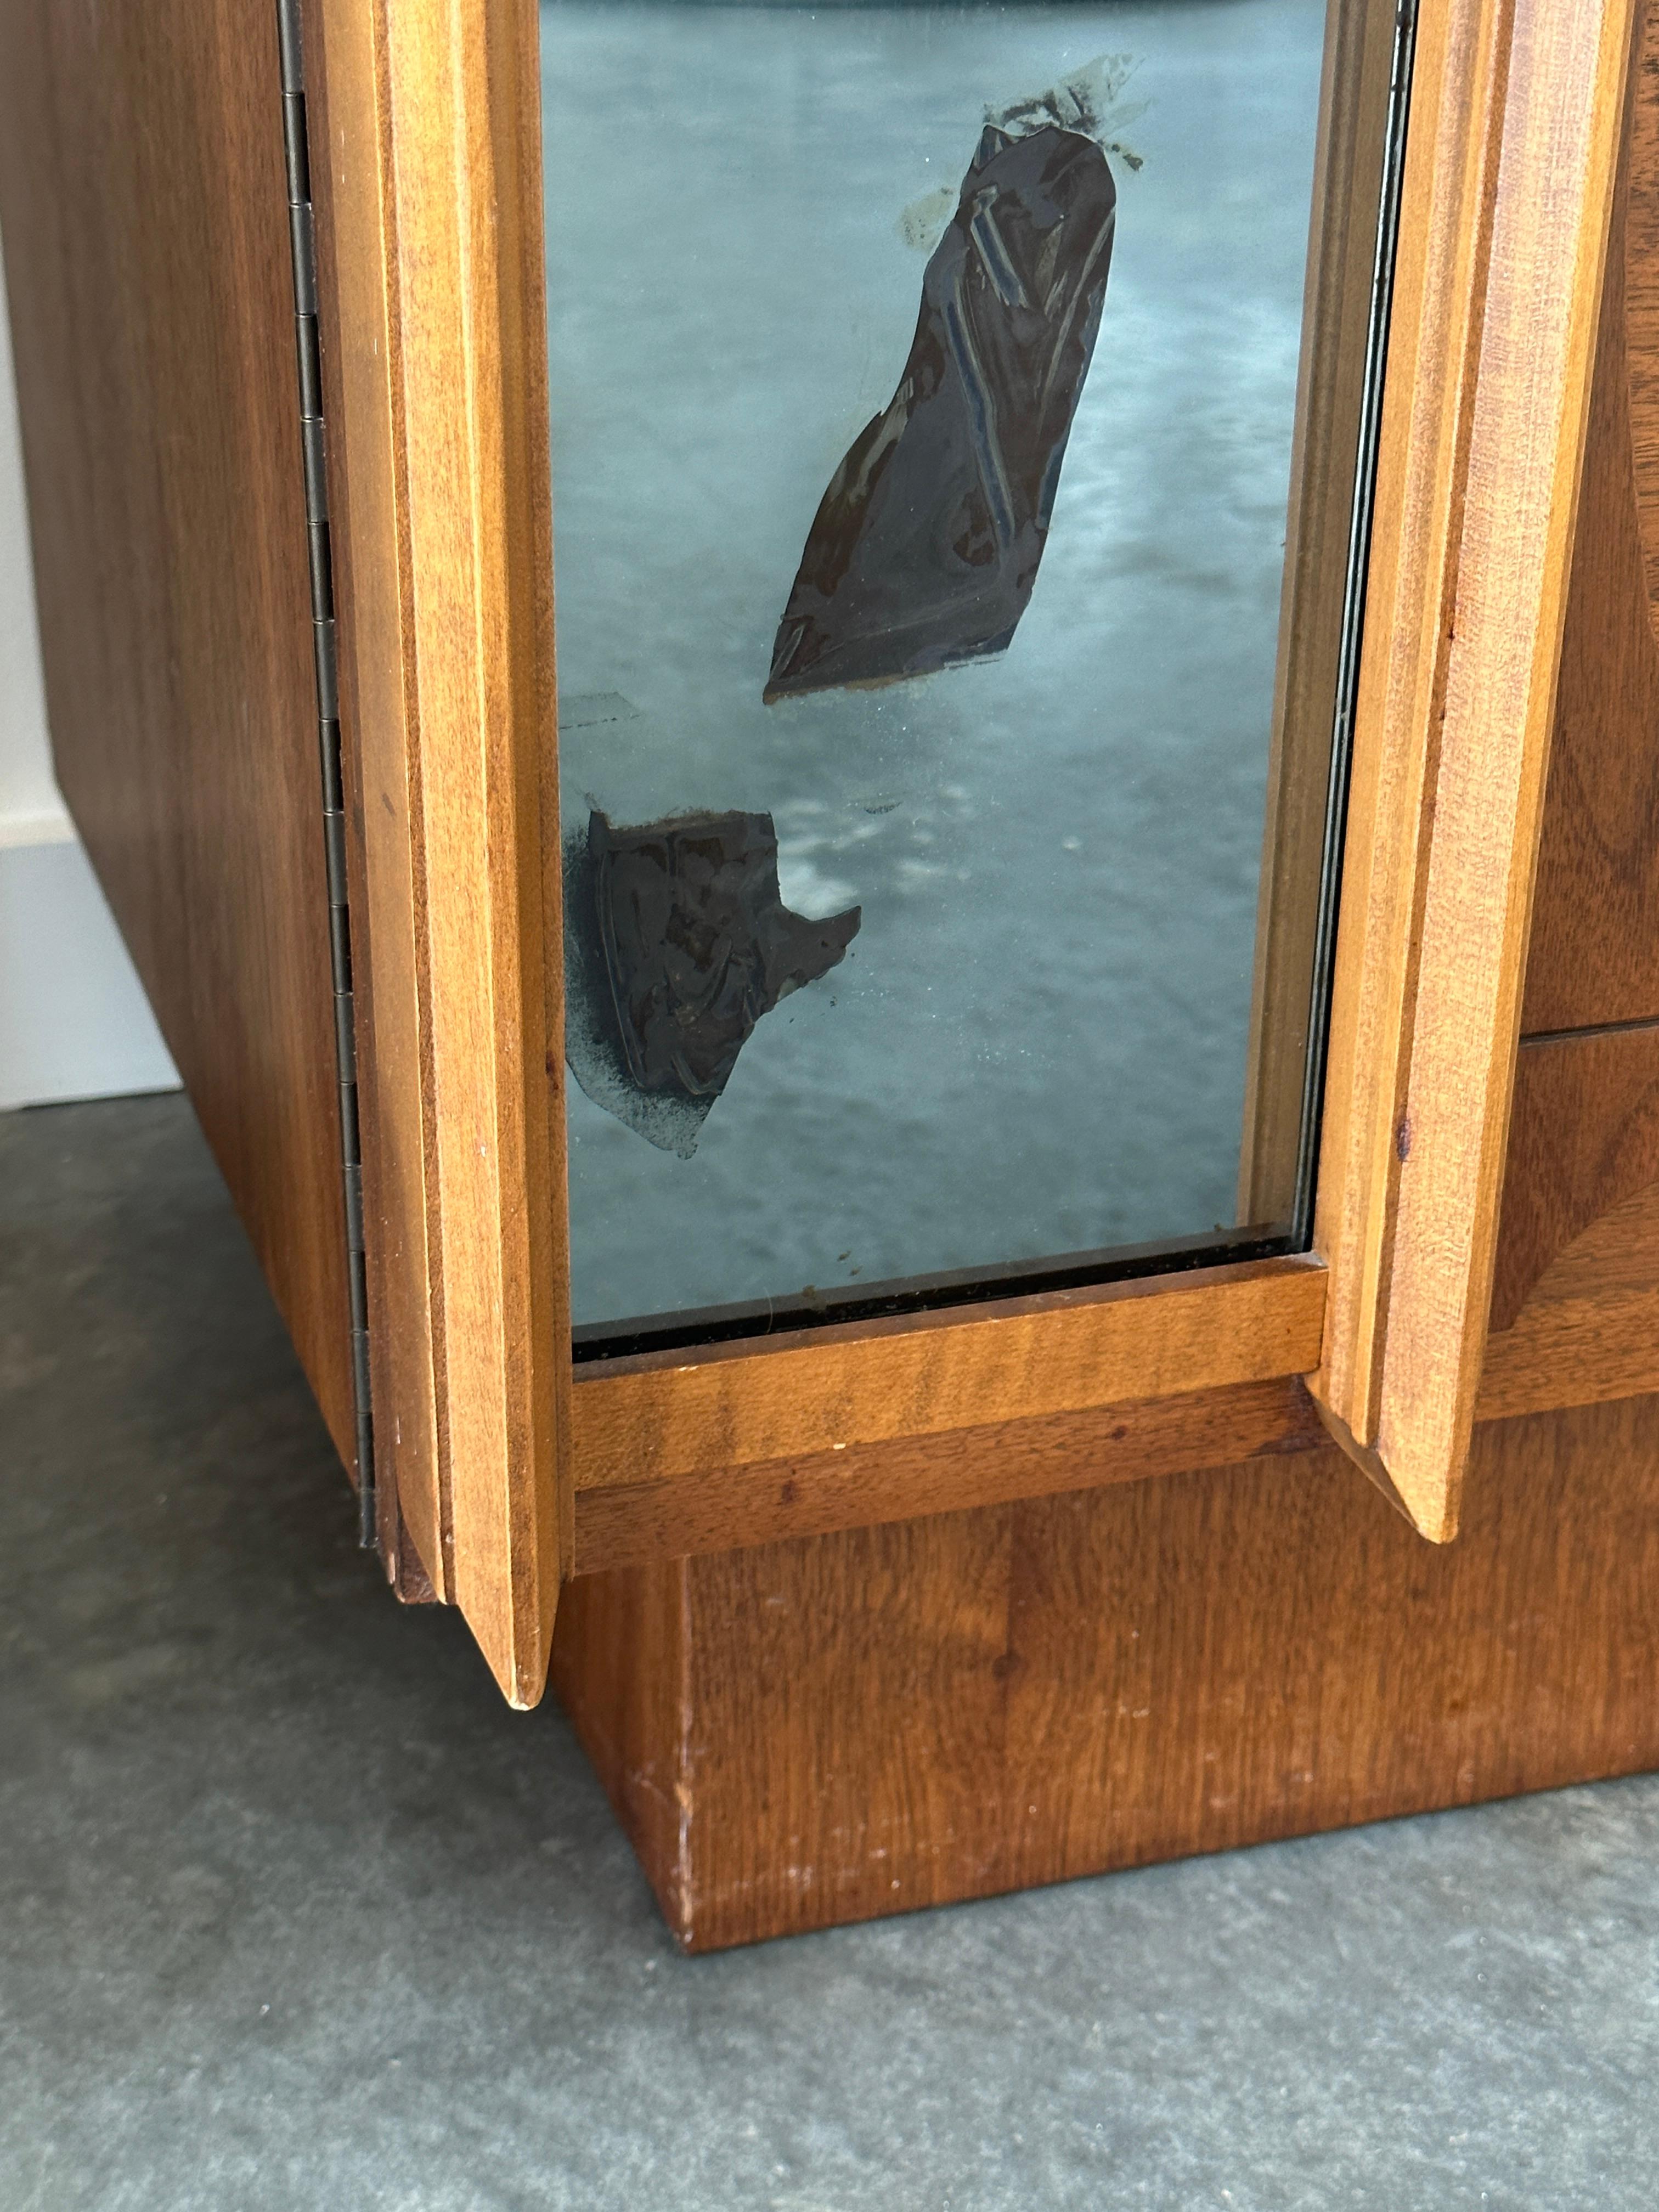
(959, 425)
(1009, 915)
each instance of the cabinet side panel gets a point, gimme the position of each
(142, 191)
(620, 1654)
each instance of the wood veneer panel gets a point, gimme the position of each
(1588, 1330)
(147, 255)
(854, 1725)
(1583, 1138)
(618, 1660)
(1594, 951)
(720, 1509)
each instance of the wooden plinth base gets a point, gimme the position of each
(844, 1726)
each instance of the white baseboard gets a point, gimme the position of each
(74, 1021)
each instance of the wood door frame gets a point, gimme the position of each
(425, 134)
(1513, 136)
(1508, 197)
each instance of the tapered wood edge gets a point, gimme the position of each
(345, 119)
(1564, 122)
(1370, 1463)
(645, 1420)
(1447, 189)
(432, 132)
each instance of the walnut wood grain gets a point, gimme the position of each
(856, 1725)
(1640, 273)
(143, 195)
(724, 1508)
(1583, 1138)
(1588, 1330)
(750, 1404)
(618, 1665)
(1594, 949)
(1482, 448)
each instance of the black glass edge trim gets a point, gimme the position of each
(967, 1286)
(1353, 624)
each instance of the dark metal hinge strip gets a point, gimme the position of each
(303, 238)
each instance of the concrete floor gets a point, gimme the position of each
(295, 1913)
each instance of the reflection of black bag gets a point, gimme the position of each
(925, 545)
(677, 942)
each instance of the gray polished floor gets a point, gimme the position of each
(295, 1913)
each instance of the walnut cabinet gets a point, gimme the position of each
(883, 1606)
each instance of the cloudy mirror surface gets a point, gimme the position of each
(923, 383)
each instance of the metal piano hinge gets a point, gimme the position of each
(303, 238)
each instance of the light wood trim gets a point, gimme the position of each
(1515, 127)
(665, 1414)
(1450, 164)
(433, 139)
(1588, 1332)
(1330, 391)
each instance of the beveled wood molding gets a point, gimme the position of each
(1587, 1334)
(426, 169)
(662, 1416)
(1516, 111)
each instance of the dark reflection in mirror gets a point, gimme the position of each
(915, 931)
(677, 941)
(926, 547)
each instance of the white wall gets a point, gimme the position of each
(74, 1022)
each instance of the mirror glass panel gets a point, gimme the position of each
(925, 392)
